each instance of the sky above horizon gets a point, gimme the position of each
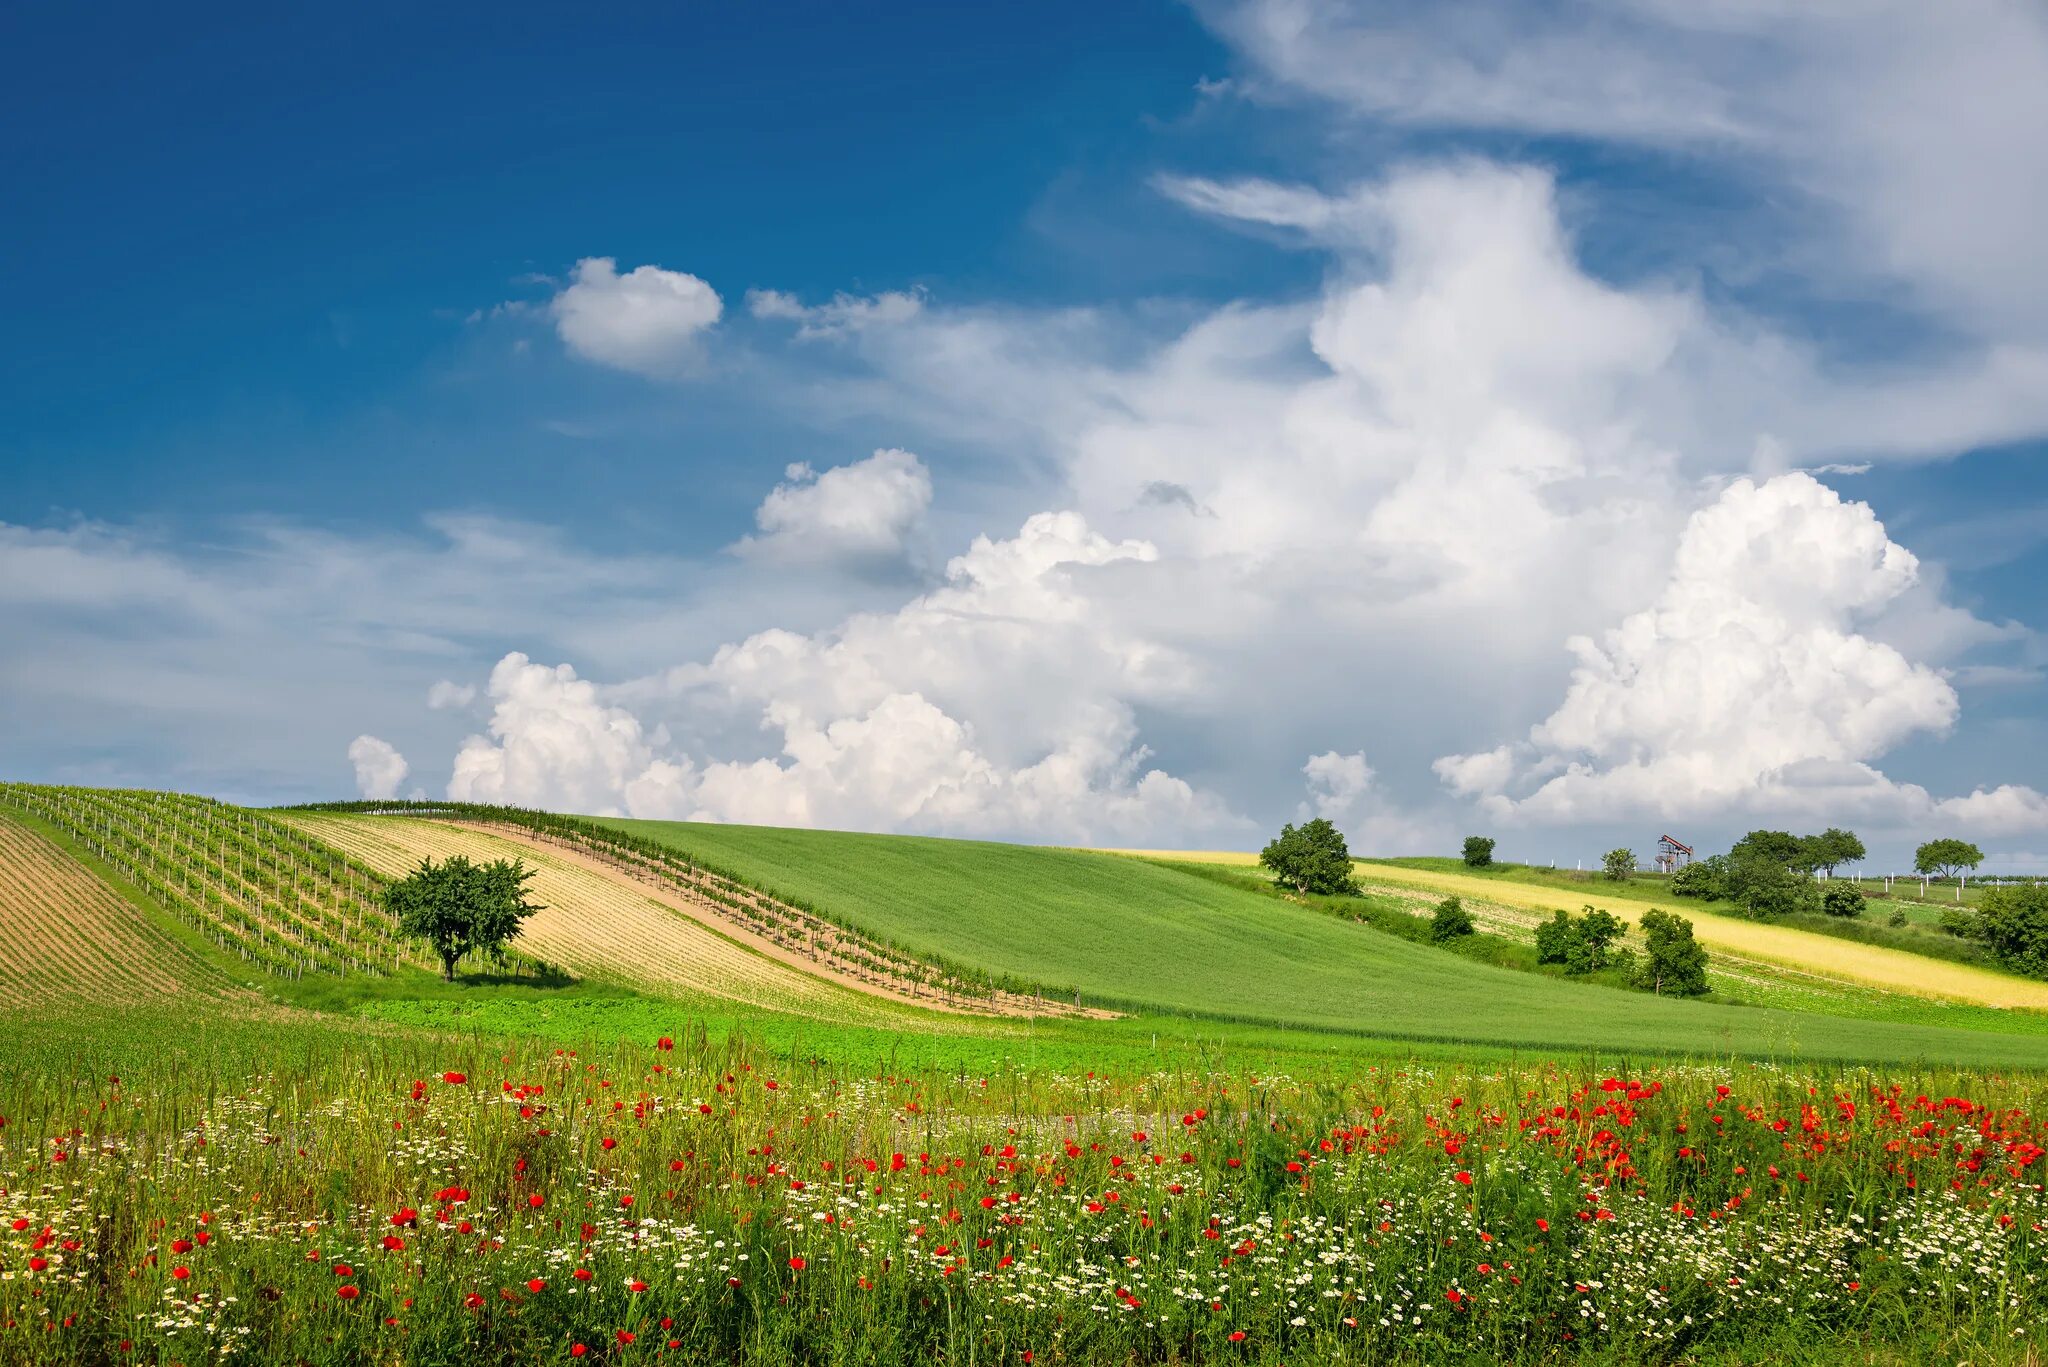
(1132, 425)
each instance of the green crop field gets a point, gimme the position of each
(1159, 939)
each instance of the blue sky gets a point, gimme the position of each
(1139, 424)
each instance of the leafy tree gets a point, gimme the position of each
(2013, 922)
(1311, 858)
(459, 907)
(1674, 962)
(1766, 888)
(1451, 921)
(1780, 847)
(1833, 848)
(1702, 878)
(1478, 850)
(1838, 898)
(1581, 943)
(1946, 858)
(1619, 864)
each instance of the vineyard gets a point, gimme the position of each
(64, 933)
(786, 923)
(274, 897)
(598, 925)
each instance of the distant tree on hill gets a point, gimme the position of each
(1946, 858)
(461, 908)
(1831, 849)
(2013, 922)
(1674, 962)
(1581, 943)
(1450, 921)
(1766, 888)
(1839, 898)
(1618, 864)
(1478, 851)
(1311, 858)
(1780, 847)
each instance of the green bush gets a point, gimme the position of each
(1701, 879)
(1618, 864)
(2014, 923)
(1450, 921)
(1478, 851)
(1581, 943)
(1838, 898)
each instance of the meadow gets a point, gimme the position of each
(1305, 1136)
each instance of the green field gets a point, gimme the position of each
(1156, 939)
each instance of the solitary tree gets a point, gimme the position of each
(1833, 848)
(1580, 943)
(1450, 921)
(1946, 858)
(1841, 899)
(1619, 864)
(1478, 850)
(1310, 858)
(1674, 961)
(459, 907)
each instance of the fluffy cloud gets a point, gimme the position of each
(647, 320)
(1747, 685)
(996, 704)
(1342, 790)
(379, 767)
(447, 695)
(863, 513)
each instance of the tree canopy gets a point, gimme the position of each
(1946, 858)
(1831, 849)
(1618, 864)
(2013, 922)
(1478, 850)
(1311, 858)
(1674, 961)
(461, 908)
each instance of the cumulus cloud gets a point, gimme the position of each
(996, 704)
(648, 320)
(1747, 686)
(1342, 789)
(379, 767)
(862, 513)
(841, 314)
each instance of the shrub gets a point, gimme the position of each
(1838, 898)
(1450, 921)
(1766, 888)
(1618, 864)
(1478, 851)
(2014, 924)
(1701, 878)
(1310, 858)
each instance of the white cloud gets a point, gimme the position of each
(841, 314)
(1342, 790)
(449, 695)
(379, 767)
(1747, 686)
(647, 320)
(865, 512)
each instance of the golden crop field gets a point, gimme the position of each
(64, 933)
(602, 926)
(1894, 970)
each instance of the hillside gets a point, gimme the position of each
(598, 924)
(1142, 936)
(66, 934)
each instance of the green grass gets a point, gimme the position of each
(1167, 942)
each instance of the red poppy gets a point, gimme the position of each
(453, 1079)
(181, 1273)
(797, 1264)
(536, 1286)
(348, 1292)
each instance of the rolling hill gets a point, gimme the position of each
(1144, 937)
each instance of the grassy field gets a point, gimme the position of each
(1893, 970)
(603, 927)
(1404, 1157)
(1160, 940)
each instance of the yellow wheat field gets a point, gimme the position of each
(1894, 970)
(66, 934)
(600, 926)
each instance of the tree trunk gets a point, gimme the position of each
(448, 968)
